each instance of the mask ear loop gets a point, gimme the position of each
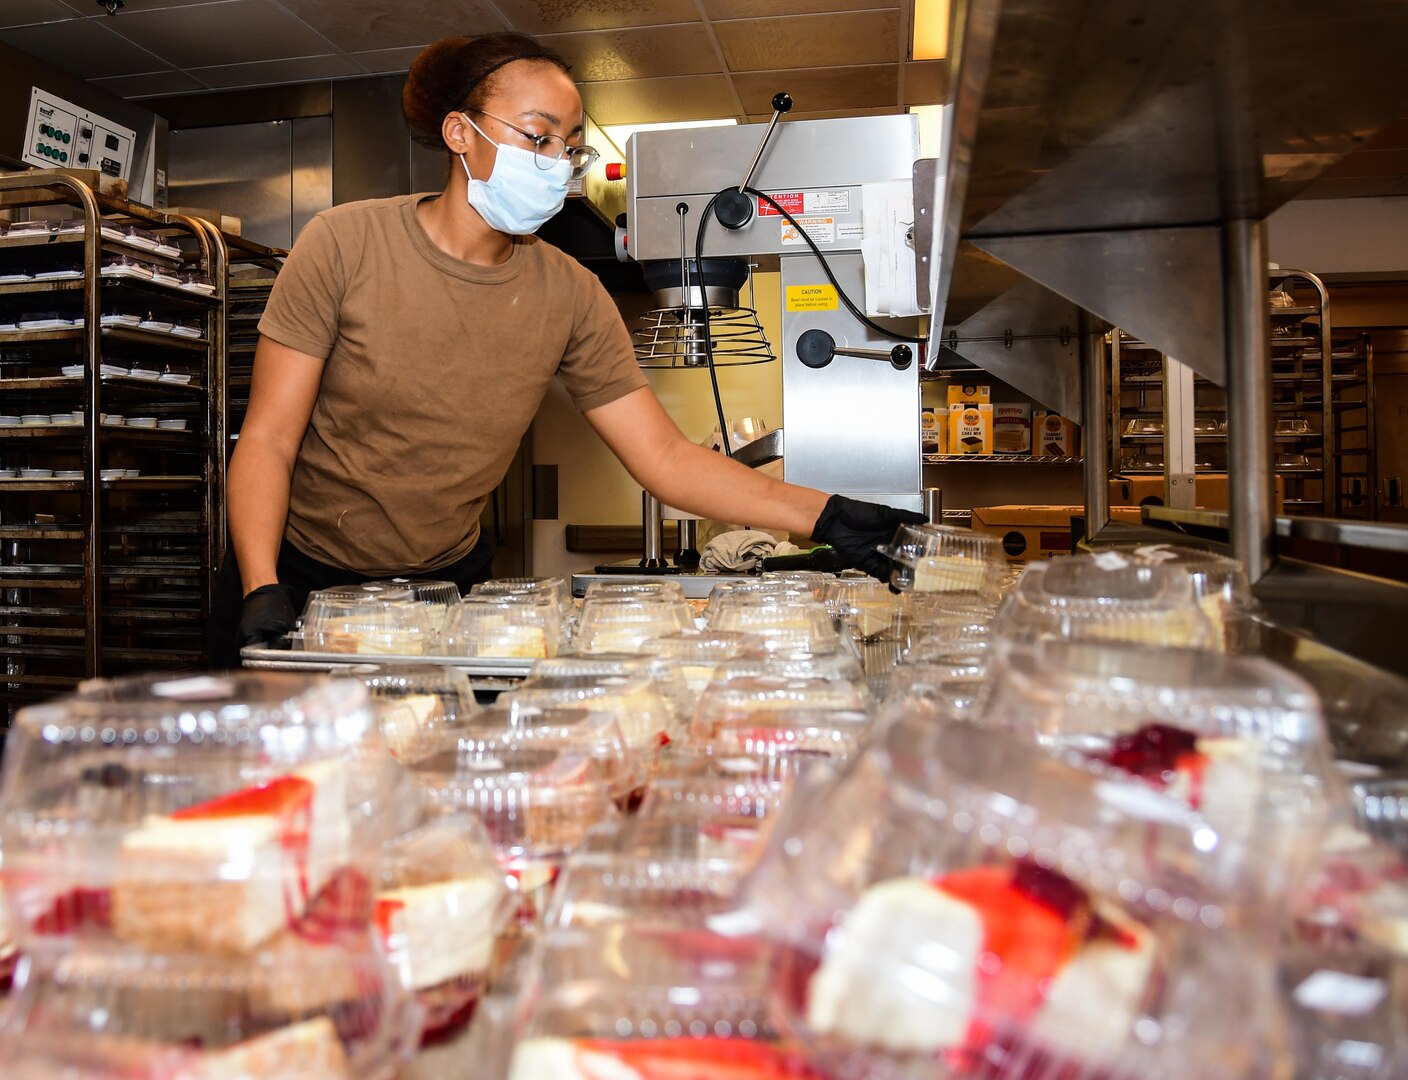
(464, 163)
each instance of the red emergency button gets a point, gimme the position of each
(616, 170)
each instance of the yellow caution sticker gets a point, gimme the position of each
(812, 298)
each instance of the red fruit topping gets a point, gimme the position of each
(1067, 899)
(449, 1008)
(75, 909)
(630, 802)
(1153, 752)
(344, 904)
(704, 1059)
(279, 797)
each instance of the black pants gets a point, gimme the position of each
(301, 574)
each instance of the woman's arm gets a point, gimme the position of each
(691, 477)
(281, 398)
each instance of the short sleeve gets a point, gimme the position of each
(600, 363)
(306, 301)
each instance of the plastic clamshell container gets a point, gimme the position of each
(205, 814)
(1382, 806)
(621, 623)
(439, 596)
(814, 581)
(778, 622)
(1105, 596)
(1240, 740)
(1220, 584)
(421, 708)
(555, 587)
(441, 903)
(726, 705)
(721, 593)
(698, 653)
(366, 624)
(843, 666)
(326, 1008)
(945, 559)
(633, 701)
(867, 606)
(782, 743)
(959, 903)
(635, 588)
(956, 683)
(667, 675)
(517, 626)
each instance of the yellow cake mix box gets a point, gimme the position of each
(970, 429)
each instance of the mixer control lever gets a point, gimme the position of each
(815, 349)
(734, 207)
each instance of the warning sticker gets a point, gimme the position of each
(812, 298)
(797, 203)
(822, 230)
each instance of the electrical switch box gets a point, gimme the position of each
(62, 135)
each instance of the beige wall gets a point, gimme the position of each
(593, 487)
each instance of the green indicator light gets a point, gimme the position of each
(67, 137)
(63, 156)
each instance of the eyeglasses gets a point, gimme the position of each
(548, 150)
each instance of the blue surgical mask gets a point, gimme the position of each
(519, 196)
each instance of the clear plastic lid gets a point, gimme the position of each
(205, 814)
(441, 902)
(724, 706)
(1105, 596)
(633, 701)
(1238, 739)
(769, 586)
(555, 587)
(960, 903)
(668, 676)
(814, 581)
(957, 683)
(635, 588)
(438, 594)
(945, 558)
(367, 623)
(698, 652)
(621, 623)
(1382, 806)
(421, 707)
(844, 666)
(305, 1008)
(867, 606)
(783, 740)
(778, 621)
(521, 626)
(1220, 584)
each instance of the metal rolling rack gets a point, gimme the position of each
(102, 576)
(253, 268)
(1123, 159)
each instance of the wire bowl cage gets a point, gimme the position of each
(675, 338)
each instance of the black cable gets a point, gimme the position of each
(704, 220)
(826, 268)
(704, 305)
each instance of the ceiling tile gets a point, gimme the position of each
(562, 16)
(827, 114)
(367, 25)
(273, 72)
(206, 35)
(153, 84)
(925, 82)
(644, 101)
(83, 47)
(24, 12)
(381, 61)
(648, 52)
(822, 90)
(810, 41)
(762, 9)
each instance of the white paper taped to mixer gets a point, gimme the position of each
(887, 211)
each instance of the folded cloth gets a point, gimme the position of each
(741, 549)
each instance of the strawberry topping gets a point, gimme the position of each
(696, 1059)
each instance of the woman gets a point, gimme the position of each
(408, 343)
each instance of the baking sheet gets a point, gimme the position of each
(301, 660)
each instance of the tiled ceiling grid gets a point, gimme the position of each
(637, 61)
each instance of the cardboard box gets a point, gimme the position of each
(1210, 491)
(1054, 435)
(929, 429)
(1012, 428)
(970, 429)
(1029, 533)
(971, 394)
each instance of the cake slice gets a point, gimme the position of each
(954, 965)
(226, 875)
(306, 1051)
(408, 725)
(1219, 776)
(656, 1059)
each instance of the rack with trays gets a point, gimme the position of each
(110, 569)
(253, 268)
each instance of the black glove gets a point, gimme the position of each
(267, 616)
(855, 529)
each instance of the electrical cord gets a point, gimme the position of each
(704, 220)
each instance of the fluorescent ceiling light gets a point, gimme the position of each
(930, 40)
(619, 133)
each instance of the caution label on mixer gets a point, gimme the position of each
(812, 298)
(807, 202)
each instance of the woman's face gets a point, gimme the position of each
(537, 97)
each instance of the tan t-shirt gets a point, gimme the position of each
(434, 369)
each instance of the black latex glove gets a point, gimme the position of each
(856, 528)
(267, 616)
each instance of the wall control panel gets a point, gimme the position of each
(62, 135)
